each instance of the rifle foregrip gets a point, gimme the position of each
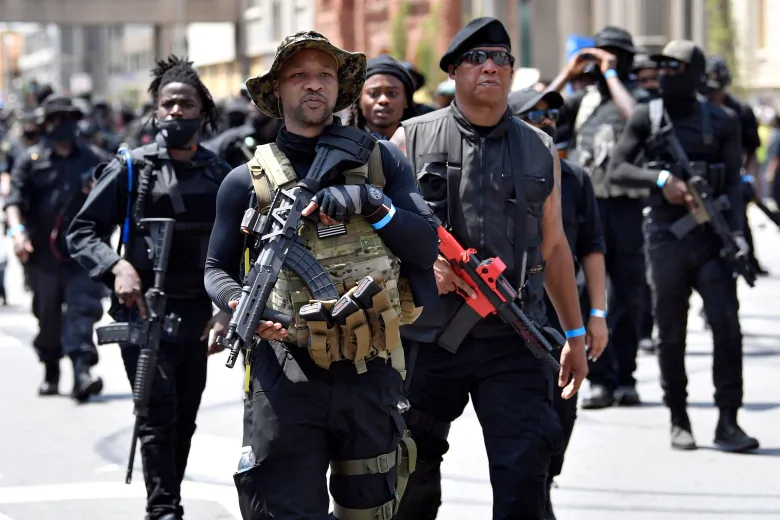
(144, 377)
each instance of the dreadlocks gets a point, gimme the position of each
(180, 70)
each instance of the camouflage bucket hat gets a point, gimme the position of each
(352, 72)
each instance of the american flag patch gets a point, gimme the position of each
(324, 231)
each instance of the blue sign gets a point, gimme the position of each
(574, 43)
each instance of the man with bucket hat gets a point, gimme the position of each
(595, 119)
(49, 183)
(324, 391)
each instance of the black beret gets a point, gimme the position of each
(480, 32)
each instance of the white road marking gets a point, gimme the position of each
(222, 495)
(108, 468)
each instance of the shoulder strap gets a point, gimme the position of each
(590, 102)
(656, 107)
(521, 211)
(454, 151)
(270, 169)
(376, 171)
(126, 226)
(706, 124)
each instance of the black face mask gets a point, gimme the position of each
(30, 135)
(65, 131)
(681, 87)
(550, 130)
(178, 133)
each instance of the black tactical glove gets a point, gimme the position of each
(340, 202)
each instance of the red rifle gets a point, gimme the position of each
(495, 295)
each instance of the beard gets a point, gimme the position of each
(305, 116)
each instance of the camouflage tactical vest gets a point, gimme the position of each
(348, 253)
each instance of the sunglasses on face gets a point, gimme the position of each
(673, 65)
(536, 117)
(500, 58)
(648, 79)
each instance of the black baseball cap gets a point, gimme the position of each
(522, 101)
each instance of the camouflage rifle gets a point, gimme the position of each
(148, 333)
(276, 239)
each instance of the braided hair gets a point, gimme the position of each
(179, 70)
(355, 116)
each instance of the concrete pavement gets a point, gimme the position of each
(62, 461)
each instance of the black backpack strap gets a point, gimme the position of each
(521, 211)
(706, 124)
(168, 178)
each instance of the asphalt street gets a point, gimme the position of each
(62, 461)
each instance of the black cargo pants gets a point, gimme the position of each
(675, 268)
(622, 221)
(512, 396)
(65, 332)
(301, 418)
(179, 381)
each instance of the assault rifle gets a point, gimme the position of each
(495, 295)
(704, 208)
(147, 334)
(276, 237)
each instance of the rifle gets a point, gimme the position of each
(704, 208)
(276, 238)
(147, 334)
(495, 295)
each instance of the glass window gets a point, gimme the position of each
(276, 20)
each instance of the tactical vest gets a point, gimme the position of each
(185, 196)
(598, 128)
(434, 147)
(348, 252)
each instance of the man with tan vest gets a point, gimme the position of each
(326, 390)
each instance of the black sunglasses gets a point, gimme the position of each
(536, 117)
(674, 65)
(478, 57)
(647, 79)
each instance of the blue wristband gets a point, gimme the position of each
(662, 178)
(598, 313)
(385, 220)
(611, 73)
(576, 333)
(14, 230)
(748, 178)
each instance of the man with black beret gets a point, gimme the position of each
(386, 98)
(495, 184)
(582, 226)
(689, 258)
(595, 119)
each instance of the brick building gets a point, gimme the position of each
(365, 25)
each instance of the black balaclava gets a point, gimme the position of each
(682, 88)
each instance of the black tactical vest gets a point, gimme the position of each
(490, 192)
(598, 128)
(187, 195)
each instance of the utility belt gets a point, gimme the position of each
(716, 178)
(360, 326)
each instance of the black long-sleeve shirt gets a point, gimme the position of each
(687, 122)
(410, 235)
(580, 212)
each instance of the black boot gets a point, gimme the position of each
(682, 433)
(627, 396)
(729, 436)
(600, 397)
(84, 383)
(51, 379)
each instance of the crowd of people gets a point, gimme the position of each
(599, 227)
